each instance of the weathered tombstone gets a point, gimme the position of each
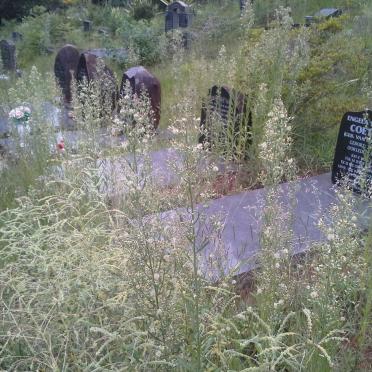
(8, 55)
(87, 25)
(113, 53)
(16, 36)
(178, 15)
(88, 70)
(4, 127)
(142, 80)
(309, 20)
(162, 5)
(65, 68)
(231, 108)
(103, 31)
(352, 161)
(328, 13)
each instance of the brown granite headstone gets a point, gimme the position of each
(65, 68)
(88, 70)
(142, 80)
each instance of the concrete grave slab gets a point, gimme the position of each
(241, 216)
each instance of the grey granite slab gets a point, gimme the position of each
(236, 246)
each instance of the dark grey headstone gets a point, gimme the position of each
(309, 20)
(232, 109)
(4, 127)
(16, 36)
(178, 15)
(8, 55)
(351, 155)
(87, 25)
(103, 31)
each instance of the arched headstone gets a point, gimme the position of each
(88, 70)
(65, 68)
(142, 80)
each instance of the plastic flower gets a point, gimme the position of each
(20, 115)
(61, 145)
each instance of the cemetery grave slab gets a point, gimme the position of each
(241, 215)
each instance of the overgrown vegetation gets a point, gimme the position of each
(95, 274)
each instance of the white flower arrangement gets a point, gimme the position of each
(20, 115)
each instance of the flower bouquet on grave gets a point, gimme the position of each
(21, 117)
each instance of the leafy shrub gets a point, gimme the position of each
(142, 9)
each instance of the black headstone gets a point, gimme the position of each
(65, 68)
(353, 145)
(232, 109)
(87, 25)
(16, 36)
(8, 55)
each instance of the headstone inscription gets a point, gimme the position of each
(88, 69)
(353, 155)
(141, 80)
(8, 55)
(65, 69)
(231, 108)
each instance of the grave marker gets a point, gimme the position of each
(142, 80)
(8, 55)
(231, 107)
(16, 36)
(353, 145)
(178, 15)
(65, 68)
(87, 69)
(87, 25)
(328, 13)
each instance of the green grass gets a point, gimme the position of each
(88, 281)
